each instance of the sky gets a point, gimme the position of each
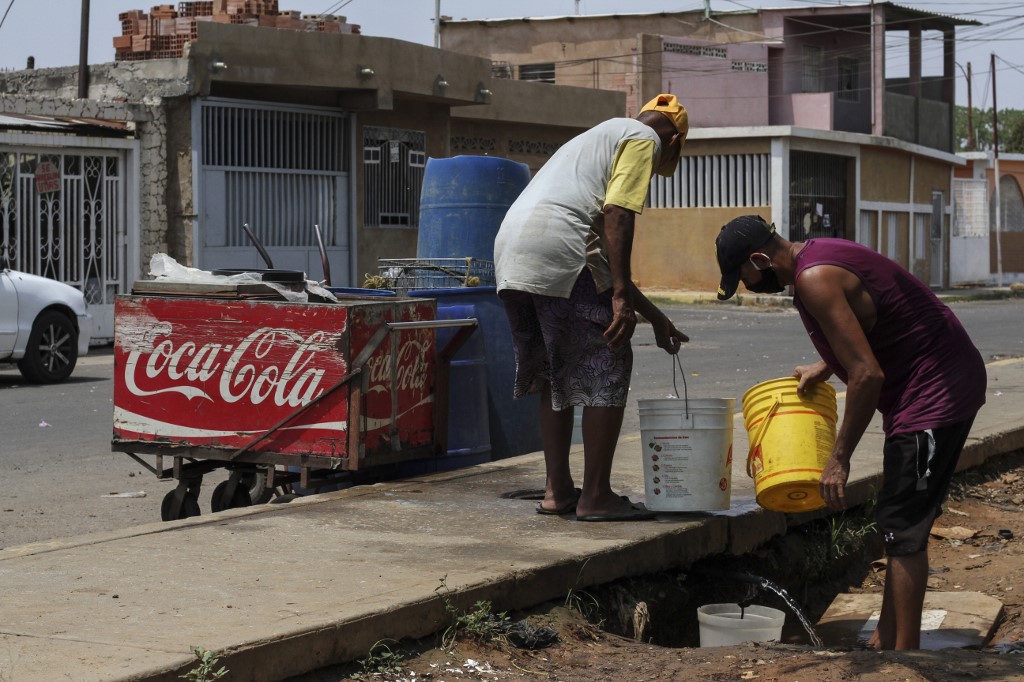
(49, 30)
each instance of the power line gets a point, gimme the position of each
(334, 8)
(5, 14)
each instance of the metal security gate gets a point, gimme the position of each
(817, 195)
(969, 243)
(62, 216)
(394, 161)
(280, 170)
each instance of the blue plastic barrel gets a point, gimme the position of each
(469, 434)
(462, 203)
(514, 424)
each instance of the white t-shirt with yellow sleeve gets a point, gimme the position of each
(556, 226)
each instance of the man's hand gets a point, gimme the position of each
(667, 336)
(833, 482)
(620, 331)
(808, 375)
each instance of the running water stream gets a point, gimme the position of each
(764, 583)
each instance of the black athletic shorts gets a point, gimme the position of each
(916, 471)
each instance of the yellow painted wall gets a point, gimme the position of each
(674, 248)
(885, 175)
(930, 176)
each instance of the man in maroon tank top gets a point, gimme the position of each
(899, 350)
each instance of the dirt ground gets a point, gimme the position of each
(986, 502)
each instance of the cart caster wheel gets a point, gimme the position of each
(219, 501)
(189, 507)
(256, 481)
(284, 499)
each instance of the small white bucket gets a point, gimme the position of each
(721, 625)
(687, 452)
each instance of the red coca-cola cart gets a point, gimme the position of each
(277, 392)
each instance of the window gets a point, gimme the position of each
(542, 73)
(848, 88)
(921, 221)
(501, 70)
(817, 195)
(1011, 206)
(813, 61)
(714, 180)
(393, 163)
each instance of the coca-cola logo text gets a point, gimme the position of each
(412, 366)
(237, 372)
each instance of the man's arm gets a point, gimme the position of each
(665, 333)
(618, 243)
(826, 291)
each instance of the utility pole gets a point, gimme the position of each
(970, 112)
(83, 54)
(999, 205)
(437, 23)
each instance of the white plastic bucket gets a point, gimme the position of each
(687, 453)
(721, 625)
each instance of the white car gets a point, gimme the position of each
(44, 325)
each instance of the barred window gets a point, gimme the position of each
(718, 180)
(848, 88)
(393, 165)
(813, 66)
(542, 73)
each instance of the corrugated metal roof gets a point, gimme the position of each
(66, 124)
(957, 20)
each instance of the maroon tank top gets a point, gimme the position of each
(934, 376)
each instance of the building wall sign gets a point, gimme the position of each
(47, 178)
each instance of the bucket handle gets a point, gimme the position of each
(687, 420)
(686, 394)
(755, 442)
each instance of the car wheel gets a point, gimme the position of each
(52, 349)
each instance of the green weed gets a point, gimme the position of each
(480, 624)
(206, 669)
(381, 659)
(585, 604)
(848, 531)
(847, 534)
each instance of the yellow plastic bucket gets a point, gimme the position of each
(791, 439)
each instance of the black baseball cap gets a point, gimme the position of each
(739, 238)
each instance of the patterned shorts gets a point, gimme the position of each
(916, 471)
(561, 341)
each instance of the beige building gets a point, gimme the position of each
(281, 130)
(791, 115)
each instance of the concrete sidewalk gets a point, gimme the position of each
(278, 590)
